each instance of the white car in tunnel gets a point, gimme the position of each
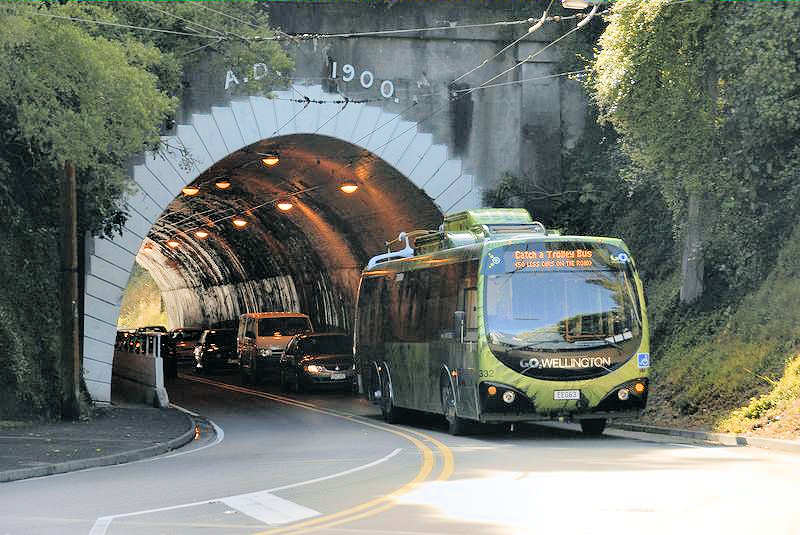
(262, 338)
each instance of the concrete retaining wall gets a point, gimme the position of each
(139, 378)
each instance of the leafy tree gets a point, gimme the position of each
(705, 98)
(95, 95)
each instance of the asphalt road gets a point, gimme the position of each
(325, 463)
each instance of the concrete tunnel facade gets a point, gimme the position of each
(307, 259)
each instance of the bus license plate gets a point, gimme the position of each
(338, 376)
(566, 394)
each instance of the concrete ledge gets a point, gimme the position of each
(106, 460)
(726, 439)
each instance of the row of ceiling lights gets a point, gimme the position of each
(239, 222)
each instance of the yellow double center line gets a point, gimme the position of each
(371, 507)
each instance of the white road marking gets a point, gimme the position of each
(101, 524)
(268, 508)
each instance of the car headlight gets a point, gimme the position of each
(266, 352)
(313, 368)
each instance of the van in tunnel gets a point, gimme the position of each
(261, 340)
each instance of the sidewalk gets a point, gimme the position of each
(115, 435)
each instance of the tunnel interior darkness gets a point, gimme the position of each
(307, 259)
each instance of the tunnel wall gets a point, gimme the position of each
(210, 137)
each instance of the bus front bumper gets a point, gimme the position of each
(495, 407)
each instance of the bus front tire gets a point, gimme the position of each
(455, 425)
(593, 426)
(283, 382)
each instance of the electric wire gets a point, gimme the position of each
(530, 57)
(129, 26)
(535, 78)
(167, 13)
(532, 29)
(309, 36)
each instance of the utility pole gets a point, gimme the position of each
(70, 357)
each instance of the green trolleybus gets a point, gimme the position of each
(493, 319)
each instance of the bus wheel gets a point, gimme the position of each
(298, 383)
(391, 414)
(455, 424)
(244, 375)
(594, 426)
(283, 382)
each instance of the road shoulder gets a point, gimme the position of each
(725, 439)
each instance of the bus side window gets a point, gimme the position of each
(471, 310)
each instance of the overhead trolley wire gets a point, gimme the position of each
(167, 13)
(530, 57)
(129, 26)
(532, 29)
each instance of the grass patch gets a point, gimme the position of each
(776, 413)
(709, 363)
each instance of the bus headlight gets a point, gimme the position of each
(509, 396)
(639, 388)
(313, 368)
(623, 394)
(265, 352)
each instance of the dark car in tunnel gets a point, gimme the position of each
(261, 340)
(318, 359)
(183, 342)
(216, 349)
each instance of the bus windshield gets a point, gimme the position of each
(550, 300)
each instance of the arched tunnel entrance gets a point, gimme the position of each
(305, 259)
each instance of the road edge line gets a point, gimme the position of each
(725, 439)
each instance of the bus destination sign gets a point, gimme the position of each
(553, 259)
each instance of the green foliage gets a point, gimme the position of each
(715, 360)
(141, 302)
(706, 99)
(95, 95)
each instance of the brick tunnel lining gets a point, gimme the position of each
(306, 260)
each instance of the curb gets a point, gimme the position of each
(106, 460)
(725, 439)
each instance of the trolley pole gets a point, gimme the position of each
(70, 343)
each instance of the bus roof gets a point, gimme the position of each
(470, 246)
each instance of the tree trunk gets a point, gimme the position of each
(692, 258)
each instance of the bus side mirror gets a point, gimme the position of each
(459, 323)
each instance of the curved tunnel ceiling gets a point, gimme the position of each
(307, 259)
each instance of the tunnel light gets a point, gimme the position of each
(190, 191)
(222, 184)
(201, 234)
(239, 222)
(574, 4)
(348, 187)
(270, 159)
(285, 206)
(172, 244)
